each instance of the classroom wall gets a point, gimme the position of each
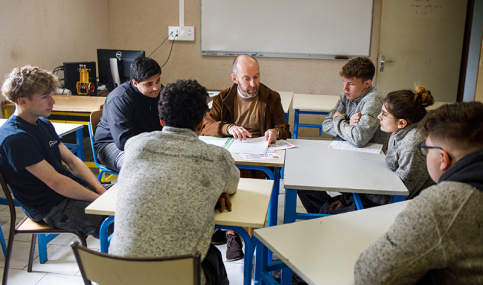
(48, 33)
(147, 27)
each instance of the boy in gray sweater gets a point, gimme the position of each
(438, 238)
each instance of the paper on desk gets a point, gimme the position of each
(280, 144)
(221, 142)
(370, 147)
(270, 154)
(249, 146)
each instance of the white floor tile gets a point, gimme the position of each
(60, 279)
(61, 261)
(22, 277)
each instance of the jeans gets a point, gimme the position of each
(109, 155)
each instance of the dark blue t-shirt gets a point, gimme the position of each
(23, 144)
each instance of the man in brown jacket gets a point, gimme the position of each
(246, 109)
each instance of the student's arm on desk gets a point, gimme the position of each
(327, 124)
(406, 252)
(362, 132)
(232, 177)
(61, 183)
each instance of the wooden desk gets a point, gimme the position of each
(272, 168)
(249, 209)
(312, 165)
(324, 250)
(68, 105)
(312, 105)
(63, 129)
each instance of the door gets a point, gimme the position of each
(421, 42)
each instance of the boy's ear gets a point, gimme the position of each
(21, 101)
(445, 160)
(162, 123)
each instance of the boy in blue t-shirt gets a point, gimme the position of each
(31, 156)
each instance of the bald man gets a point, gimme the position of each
(246, 109)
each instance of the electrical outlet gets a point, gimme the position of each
(184, 33)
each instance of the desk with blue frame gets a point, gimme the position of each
(249, 209)
(322, 250)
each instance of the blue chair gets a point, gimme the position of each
(44, 232)
(92, 125)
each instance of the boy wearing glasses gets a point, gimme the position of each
(438, 238)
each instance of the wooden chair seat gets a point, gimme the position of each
(26, 225)
(29, 226)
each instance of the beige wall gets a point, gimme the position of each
(48, 33)
(148, 26)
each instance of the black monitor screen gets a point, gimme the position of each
(124, 60)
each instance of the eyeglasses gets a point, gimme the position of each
(424, 149)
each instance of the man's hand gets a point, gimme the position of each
(336, 205)
(355, 119)
(239, 133)
(271, 135)
(225, 202)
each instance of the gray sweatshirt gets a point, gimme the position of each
(368, 129)
(404, 158)
(437, 238)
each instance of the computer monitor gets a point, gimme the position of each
(109, 60)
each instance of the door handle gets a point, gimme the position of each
(383, 60)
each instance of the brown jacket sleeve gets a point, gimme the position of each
(214, 124)
(277, 116)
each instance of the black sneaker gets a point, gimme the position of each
(233, 247)
(218, 237)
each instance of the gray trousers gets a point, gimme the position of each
(70, 215)
(110, 156)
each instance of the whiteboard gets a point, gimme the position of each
(286, 28)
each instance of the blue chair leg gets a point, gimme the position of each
(43, 240)
(104, 237)
(2, 241)
(357, 200)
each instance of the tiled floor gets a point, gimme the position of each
(61, 268)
